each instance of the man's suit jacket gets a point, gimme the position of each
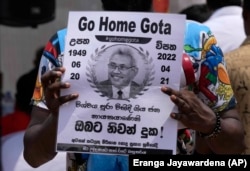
(105, 88)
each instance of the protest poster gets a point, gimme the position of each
(138, 122)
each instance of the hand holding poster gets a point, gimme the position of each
(117, 62)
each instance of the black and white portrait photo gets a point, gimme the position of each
(121, 72)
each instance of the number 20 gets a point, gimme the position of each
(75, 76)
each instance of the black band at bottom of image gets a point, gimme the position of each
(162, 162)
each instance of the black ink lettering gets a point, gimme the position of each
(82, 25)
(119, 26)
(160, 27)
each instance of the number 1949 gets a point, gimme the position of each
(77, 52)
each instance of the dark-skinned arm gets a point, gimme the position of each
(229, 141)
(196, 115)
(40, 136)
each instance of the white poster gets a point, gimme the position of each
(117, 62)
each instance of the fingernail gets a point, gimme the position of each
(67, 84)
(74, 95)
(58, 73)
(173, 97)
(173, 115)
(164, 88)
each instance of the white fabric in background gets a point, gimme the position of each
(12, 145)
(227, 25)
(12, 156)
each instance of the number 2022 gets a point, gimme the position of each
(166, 56)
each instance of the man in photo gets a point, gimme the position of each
(122, 69)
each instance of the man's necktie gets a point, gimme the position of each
(119, 94)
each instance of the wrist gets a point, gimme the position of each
(216, 131)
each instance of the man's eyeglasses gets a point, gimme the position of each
(121, 67)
